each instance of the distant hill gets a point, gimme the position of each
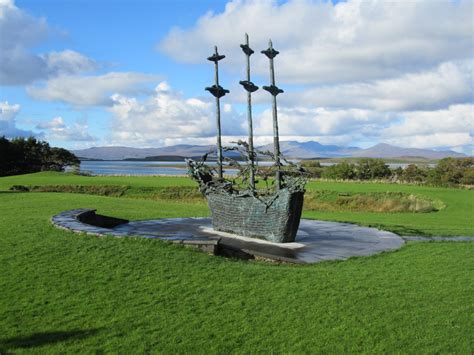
(307, 150)
(291, 149)
(121, 153)
(383, 150)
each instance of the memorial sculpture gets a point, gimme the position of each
(269, 209)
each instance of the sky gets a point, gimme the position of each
(84, 73)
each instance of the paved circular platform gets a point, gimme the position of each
(315, 241)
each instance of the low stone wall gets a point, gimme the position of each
(276, 221)
(85, 220)
(90, 217)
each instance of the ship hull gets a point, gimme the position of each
(274, 218)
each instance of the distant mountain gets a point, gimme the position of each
(383, 150)
(291, 149)
(307, 150)
(121, 153)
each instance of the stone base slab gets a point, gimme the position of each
(315, 241)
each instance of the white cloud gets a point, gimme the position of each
(56, 129)
(90, 90)
(447, 128)
(167, 117)
(463, 141)
(8, 126)
(68, 62)
(19, 65)
(398, 72)
(55, 123)
(321, 42)
(456, 119)
(8, 112)
(303, 121)
(447, 84)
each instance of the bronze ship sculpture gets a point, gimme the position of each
(269, 209)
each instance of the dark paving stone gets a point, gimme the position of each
(315, 240)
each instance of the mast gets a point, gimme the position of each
(274, 91)
(249, 87)
(217, 91)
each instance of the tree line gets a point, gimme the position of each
(447, 172)
(29, 155)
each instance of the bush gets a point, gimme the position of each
(452, 171)
(310, 164)
(468, 177)
(369, 169)
(413, 173)
(19, 188)
(365, 169)
(101, 190)
(313, 167)
(448, 172)
(341, 171)
(315, 173)
(184, 193)
(382, 202)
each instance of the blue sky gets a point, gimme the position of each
(93, 73)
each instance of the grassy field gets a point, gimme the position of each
(455, 218)
(62, 292)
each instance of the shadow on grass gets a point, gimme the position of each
(44, 338)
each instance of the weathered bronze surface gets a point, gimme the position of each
(218, 91)
(273, 212)
(274, 90)
(249, 87)
(249, 216)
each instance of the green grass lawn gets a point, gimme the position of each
(454, 219)
(63, 292)
(53, 178)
